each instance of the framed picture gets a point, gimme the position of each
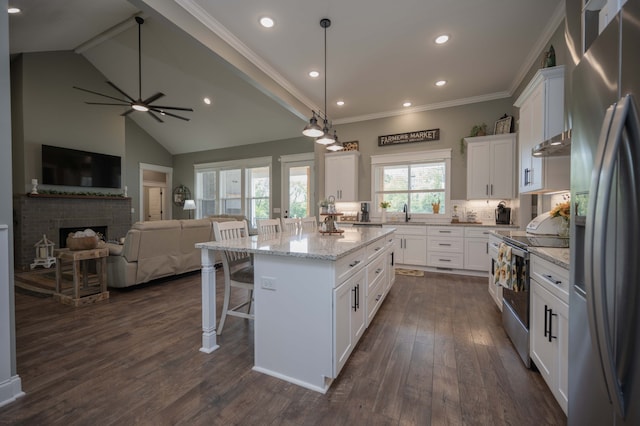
(350, 146)
(503, 125)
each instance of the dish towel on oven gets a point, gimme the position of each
(503, 274)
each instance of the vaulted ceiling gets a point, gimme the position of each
(380, 54)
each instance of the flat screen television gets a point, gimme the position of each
(71, 167)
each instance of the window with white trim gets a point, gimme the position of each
(234, 187)
(419, 180)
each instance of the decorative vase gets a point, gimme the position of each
(383, 218)
(563, 229)
(436, 208)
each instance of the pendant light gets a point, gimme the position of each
(323, 136)
(336, 145)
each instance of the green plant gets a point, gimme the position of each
(323, 203)
(476, 130)
(385, 204)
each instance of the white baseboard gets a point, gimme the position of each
(10, 390)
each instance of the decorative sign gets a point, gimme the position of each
(410, 137)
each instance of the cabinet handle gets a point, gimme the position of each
(486, 248)
(378, 297)
(392, 258)
(354, 263)
(551, 315)
(491, 189)
(550, 278)
(377, 248)
(486, 189)
(444, 244)
(444, 260)
(353, 304)
(546, 325)
(444, 232)
(357, 296)
(526, 176)
(378, 270)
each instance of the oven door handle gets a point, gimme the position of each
(515, 251)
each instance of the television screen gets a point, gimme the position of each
(70, 167)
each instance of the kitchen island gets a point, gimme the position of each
(314, 296)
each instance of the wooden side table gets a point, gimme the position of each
(80, 259)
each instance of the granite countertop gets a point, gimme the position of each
(424, 223)
(557, 256)
(312, 245)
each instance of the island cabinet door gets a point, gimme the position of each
(349, 318)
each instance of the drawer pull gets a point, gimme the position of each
(444, 232)
(444, 260)
(443, 244)
(378, 270)
(550, 278)
(378, 297)
(377, 248)
(354, 263)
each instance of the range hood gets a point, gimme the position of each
(557, 146)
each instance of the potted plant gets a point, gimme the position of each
(435, 203)
(324, 206)
(476, 130)
(384, 205)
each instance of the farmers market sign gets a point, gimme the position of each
(409, 137)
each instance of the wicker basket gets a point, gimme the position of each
(82, 243)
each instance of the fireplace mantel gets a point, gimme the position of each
(38, 214)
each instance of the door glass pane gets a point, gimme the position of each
(206, 194)
(257, 194)
(299, 189)
(230, 192)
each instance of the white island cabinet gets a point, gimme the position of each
(311, 293)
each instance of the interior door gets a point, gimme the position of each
(155, 201)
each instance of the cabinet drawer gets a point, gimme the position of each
(375, 296)
(376, 248)
(476, 232)
(440, 244)
(449, 231)
(349, 265)
(445, 260)
(376, 271)
(408, 229)
(551, 276)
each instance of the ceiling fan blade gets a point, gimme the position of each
(169, 114)
(99, 94)
(153, 98)
(169, 107)
(155, 116)
(127, 112)
(121, 91)
(106, 103)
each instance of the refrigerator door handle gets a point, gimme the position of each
(620, 148)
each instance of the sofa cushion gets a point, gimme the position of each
(193, 231)
(159, 252)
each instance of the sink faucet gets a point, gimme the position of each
(405, 209)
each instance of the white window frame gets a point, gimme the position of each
(243, 165)
(417, 157)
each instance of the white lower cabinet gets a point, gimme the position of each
(410, 245)
(445, 247)
(476, 249)
(349, 310)
(550, 325)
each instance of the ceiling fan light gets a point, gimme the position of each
(140, 107)
(313, 130)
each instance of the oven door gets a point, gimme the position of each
(518, 297)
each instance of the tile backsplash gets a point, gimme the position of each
(485, 209)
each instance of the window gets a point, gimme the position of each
(418, 180)
(234, 187)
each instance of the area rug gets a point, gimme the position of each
(410, 272)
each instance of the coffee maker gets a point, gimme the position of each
(503, 214)
(364, 212)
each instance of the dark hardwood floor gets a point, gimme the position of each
(436, 354)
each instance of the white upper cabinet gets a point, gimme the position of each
(491, 163)
(542, 117)
(341, 175)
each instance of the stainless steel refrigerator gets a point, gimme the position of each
(604, 317)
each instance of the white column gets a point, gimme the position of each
(209, 343)
(10, 386)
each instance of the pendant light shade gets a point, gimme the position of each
(336, 145)
(313, 130)
(323, 135)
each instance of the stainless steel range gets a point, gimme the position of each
(516, 296)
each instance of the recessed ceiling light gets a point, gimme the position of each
(441, 82)
(207, 101)
(340, 103)
(266, 22)
(314, 74)
(442, 39)
(406, 104)
(13, 10)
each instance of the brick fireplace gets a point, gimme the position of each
(47, 214)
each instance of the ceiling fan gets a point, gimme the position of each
(143, 105)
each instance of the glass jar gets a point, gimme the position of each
(563, 229)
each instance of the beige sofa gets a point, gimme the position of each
(159, 249)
